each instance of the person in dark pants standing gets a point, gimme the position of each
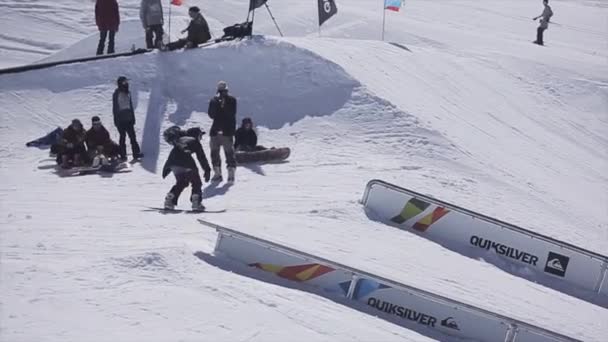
(222, 109)
(124, 118)
(544, 22)
(183, 166)
(198, 31)
(151, 15)
(107, 19)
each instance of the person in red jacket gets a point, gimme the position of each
(107, 19)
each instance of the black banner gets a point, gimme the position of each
(327, 8)
(253, 4)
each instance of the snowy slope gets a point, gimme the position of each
(474, 115)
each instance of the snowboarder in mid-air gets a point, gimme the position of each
(183, 166)
(544, 22)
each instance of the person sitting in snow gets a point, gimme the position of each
(72, 147)
(151, 16)
(101, 148)
(245, 138)
(183, 166)
(198, 32)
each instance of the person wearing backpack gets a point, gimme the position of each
(151, 16)
(544, 22)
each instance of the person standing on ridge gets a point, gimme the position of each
(124, 118)
(151, 16)
(222, 110)
(544, 22)
(107, 19)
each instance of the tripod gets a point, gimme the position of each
(252, 13)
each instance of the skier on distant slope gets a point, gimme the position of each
(183, 166)
(544, 22)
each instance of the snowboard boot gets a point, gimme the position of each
(197, 204)
(169, 201)
(231, 171)
(217, 174)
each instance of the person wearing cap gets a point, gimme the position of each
(99, 144)
(198, 31)
(124, 118)
(222, 110)
(73, 150)
(245, 138)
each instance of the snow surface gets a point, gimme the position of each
(473, 114)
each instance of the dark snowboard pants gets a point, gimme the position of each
(157, 32)
(227, 142)
(123, 131)
(539, 35)
(182, 180)
(179, 44)
(102, 42)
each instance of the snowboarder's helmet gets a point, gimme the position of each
(195, 132)
(247, 121)
(171, 134)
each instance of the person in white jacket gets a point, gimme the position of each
(151, 15)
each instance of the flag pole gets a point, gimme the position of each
(170, 21)
(383, 17)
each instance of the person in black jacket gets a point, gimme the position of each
(124, 118)
(99, 144)
(245, 138)
(198, 31)
(72, 146)
(222, 109)
(183, 166)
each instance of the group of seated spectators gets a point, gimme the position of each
(79, 147)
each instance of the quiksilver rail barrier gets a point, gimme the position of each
(557, 264)
(402, 304)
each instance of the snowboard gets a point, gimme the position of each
(185, 211)
(269, 155)
(87, 170)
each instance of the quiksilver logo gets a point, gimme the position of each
(400, 311)
(557, 264)
(502, 249)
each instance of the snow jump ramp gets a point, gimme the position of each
(556, 264)
(413, 308)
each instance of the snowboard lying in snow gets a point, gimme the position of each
(187, 211)
(269, 155)
(87, 170)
